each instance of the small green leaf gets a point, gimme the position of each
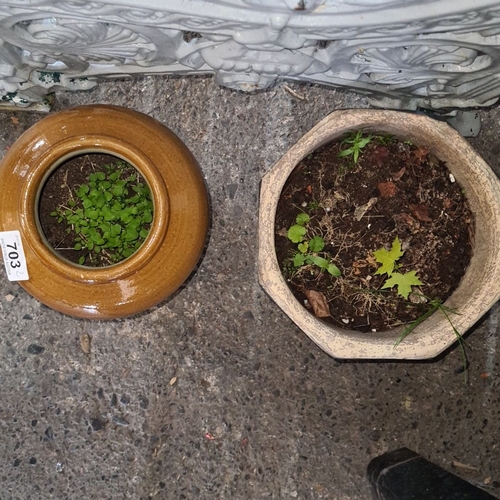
(81, 260)
(302, 219)
(147, 216)
(82, 191)
(78, 246)
(92, 214)
(131, 234)
(299, 260)
(316, 244)
(333, 270)
(296, 233)
(108, 214)
(346, 152)
(303, 247)
(318, 261)
(117, 190)
(128, 252)
(388, 258)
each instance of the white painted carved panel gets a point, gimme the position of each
(434, 54)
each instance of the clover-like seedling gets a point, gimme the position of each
(110, 215)
(309, 248)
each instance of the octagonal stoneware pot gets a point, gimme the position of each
(478, 290)
(177, 233)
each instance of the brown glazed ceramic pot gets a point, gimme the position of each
(178, 231)
(478, 290)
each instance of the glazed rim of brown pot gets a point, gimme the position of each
(478, 290)
(180, 219)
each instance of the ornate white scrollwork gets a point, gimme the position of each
(401, 53)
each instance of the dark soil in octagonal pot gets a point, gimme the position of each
(395, 190)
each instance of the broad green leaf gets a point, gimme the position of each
(318, 261)
(388, 258)
(316, 244)
(296, 233)
(302, 219)
(78, 246)
(404, 282)
(299, 260)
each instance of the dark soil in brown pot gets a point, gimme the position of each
(57, 192)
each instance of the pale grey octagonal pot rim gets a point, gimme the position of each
(479, 289)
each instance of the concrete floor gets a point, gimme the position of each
(215, 393)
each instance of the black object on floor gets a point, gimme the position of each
(404, 475)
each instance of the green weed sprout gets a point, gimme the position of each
(309, 248)
(356, 142)
(388, 264)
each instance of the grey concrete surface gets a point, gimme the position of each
(215, 393)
